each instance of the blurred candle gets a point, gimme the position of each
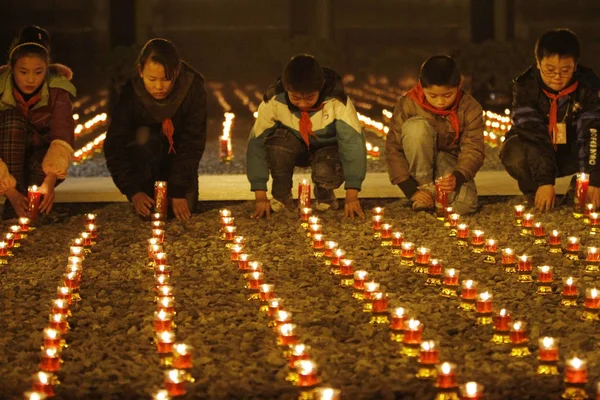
(376, 222)
(490, 247)
(346, 266)
(471, 391)
(548, 349)
(378, 211)
(502, 321)
(76, 251)
(3, 249)
(359, 279)
(539, 230)
(230, 232)
(157, 217)
(413, 332)
(86, 239)
(318, 241)
(24, 224)
(182, 356)
(408, 250)
(163, 321)
(528, 221)
(274, 305)
(43, 382)
(161, 395)
(34, 196)
(50, 359)
(282, 317)
(386, 231)
(524, 264)
(60, 307)
(175, 382)
(64, 293)
(287, 334)
(430, 352)
(397, 319)
(255, 279)
(519, 211)
(569, 287)
(554, 238)
(224, 213)
(337, 256)
(165, 304)
(92, 229)
(305, 213)
(326, 394)
(89, 219)
(397, 239)
(468, 289)
(370, 288)
(463, 231)
(58, 322)
(314, 220)
(266, 292)
(159, 224)
(380, 302)
(573, 244)
(236, 250)
(243, 261)
(450, 277)
(52, 338)
(164, 342)
(314, 229)
(9, 239)
(330, 246)
(446, 377)
(454, 220)
(544, 274)
(592, 300)
(307, 373)
(423, 255)
(518, 332)
(484, 303)
(576, 371)
(478, 238)
(435, 268)
(592, 254)
(165, 291)
(298, 352)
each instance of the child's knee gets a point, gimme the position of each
(512, 154)
(418, 129)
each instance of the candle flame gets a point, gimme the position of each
(181, 348)
(589, 206)
(377, 218)
(51, 352)
(57, 317)
(282, 315)
(592, 250)
(491, 242)
(399, 312)
(378, 210)
(576, 363)
(423, 250)
(386, 226)
(274, 303)
(327, 394)
(455, 217)
(570, 281)
(407, 245)
(594, 293)
(451, 272)
(435, 261)
(485, 296)
(573, 240)
(472, 388)
(478, 233)
(397, 235)
(51, 333)
(538, 224)
(529, 216)
(372, 286)
(166, 336)
(547, 342)
(347, 262)
(256, 275)
(317, 237)
(43, 377)
(305, 367)
(469, 283)
(508, 251)
(413, 324)
(339, 252)
(161, 395)
(524, 258)
(361, 274)
(306, 210)
(162, 315)
(594, 215)
(520, 208)
(462, 226)
(299, 349)
(555, 233)
(503, 312)
(286, 329)
(174, 375)
(427, 345)
(517, 325)
(545, 269)
(446, 368)
(331, 245)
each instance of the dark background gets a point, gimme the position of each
(250, 40)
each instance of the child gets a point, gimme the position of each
(158, 131)
(37, 129)
(306, 119)
(556, 117)
(437, 133)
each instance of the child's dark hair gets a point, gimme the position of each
(439, 70)
(163, 52)
(303, 74)
(561, 42)
(32, 41)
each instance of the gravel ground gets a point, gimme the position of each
(110, 354)
(210, 164)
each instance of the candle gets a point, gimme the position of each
(347, 267)
(508, 258)
(423, 255)
(50, 359)
(548, 349)
(397, 319)
(569, 287)
(92, 230)
(163, 321)
(64, 293)
(165, 291)
(287, 334)
(225, 222)
(314, 220)
(429, 352)
(34, 395)
(158, 234)
(86, 239)
(539, 230)
(502, 321)
(446, 378)
(58, 322)
(60, 307)
(589, 208)
(490, 247)
(160, 217)
(255, 266)
(24, 224)
(160, 197)
(266, 292)
(76, 251)
(408, 250)
(314, 229)
(304, 194)
(330, 246)
(484, 303)
(376, 222)
(447, 212)
(255, 279)
(380, 302)
(326, 394)
(435, 268)
(164, 342)
(397, 239)
(338, 254)
(182, 356)
(478, 238)
(89, 219)
(307, 373)
(450, 277)
(463, 231)
(370, 288)
(576, 371)
(413, 332)
(166, 305)
(160, 258)
(298, 352)
(52, 338)
(161, 280)
(471, 391)
(386, 231)
(592, 300)
(468, 289)
(524, 264)
(43, 382)
(554, 239)
(162, 269)
(282, 317)
(593, 255)
(518, 333)
(378, 211)
(581, 189)
(153, 247)
(175, 382)
(3, 249)
(236, 250)
(161, 395)
(305, 213)
(441, 200)
(274, 305)
(454, 220)
(318, 241)
(230, 232)
(243, 261)
(528, 221)
(573, 244)
(544, 274)
(519, 211)
(34, 196)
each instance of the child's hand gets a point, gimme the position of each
(142, 203)
(263, 205)
(18, 201)
(544, 198)
(447, 183)
(423, 197)
(352, 205)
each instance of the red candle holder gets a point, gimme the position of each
(159, 234)
(430, 352)
(182, 356)
(92, 230)
(314, 229)
(243, 260)
(397, 239)
(158, 217)
(434, 272)
(528, 220)
(346, 267)
(298, 351)
(548, 349)
(165, 291)
(175, 382)
(518, 332)
(43, 382)
(60, 307)
(287, 334)
(379, 300)
(519, 211)
(163, 321)
(408, 250)
(376, 222)
(307, 373)
(359, 279)
(581, 189)
(449, 282)
(89, 219)
(468, 290)
(573, 245)
(330, 246)
(166, 305)
(386, 231)
(227, 221)
(478, 238)
(65, 293)
(576, 371)
(592, 299)
(462, 232)
(160, 197)
(484, 303)
(413, 332)
(318, 241)
(52, 338)
(236, 250)
(545, 274)
(266, 292)
(273, 306)
(554, 241)
(502, 321)
(255, 279)
(398, 316)
(76, 251)
(24, 224)
(305, 213)
(454, 220)
(423, 255)
(34, 195)
(539, 230)
(490, 247)
(593, 255)
(86, 239)
(9, 239)
(164, 342)
(303, 194)
(337, 256)
(446, 376)
(50, 359)
(58, 322)
(3, 249)
(160, 281)
(229, 232)
(569, 288)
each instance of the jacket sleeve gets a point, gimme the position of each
(7, 181)
(190, 145)
(531, 126)
(352, 145)
(472, 146)
(588, 128)
(398, 169)
(62, 136)
(257, 169)
(119, 135)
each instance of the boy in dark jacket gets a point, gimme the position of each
(556, 116)
(437, 133)
(306, 119)
(158, 131)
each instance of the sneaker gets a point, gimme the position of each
(324, 206)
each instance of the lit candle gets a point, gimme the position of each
(159, 234)
(471, 391)
(490, 247)
(282, 317)
(243, 262)
(157, 217)
(330, 246)
(592, 300)
(454, 220)
(593, 255)
(347, 267)
(164, 342)
(163, 321)
(160, 258)
(435, 268)
(307, 373)
(153, 247)
(573, 244)
(52, 338)
(318, 241)
(430, 352)
(58, 322)
(175, 381)
(544, 274)
(182, 356)
(447, 212)
(225, 222)
(314, 220)
(266, 292)
(554, 238)
(43, 382)
(64, 293)
(60, 307)
(92, 230)
(89, 219)
(413, 332)
(376, 222)
(576, 371)
(397, 239)
(236, 250)
(34, 395)
(478, 238)
(518, 333)
(408, 250)
(165, 304)
(508, 257)
(326, 394)
(230, 232)
(589, 208)
(86, 239)
(524, 264)
(160, 197)
(423, 255)
(274, 305)
(314, 229)
(446, 377)
(397, 319)
(3, 249)
(338, 254)
(9, 239)
(305, 213)
(463, 232)
(162, 269)
(569, 288)
(161, 395)
(581, 190)
(502, 321)
(380, 302)
(528, 221)
(161, 280)
(378, 211)
(255, 266)
(539, 230)
(255, 279)
(468, 289)
(548, 349)
(76, 251)
(386, 231)
(359, 279)
(24, 224)
(304, 194)
(224, 213)
(287, 334)
(34, 196)
(165, 291)
(298, 352)
(72, 280)
(519, 211)
(50, 359)
(370, 288)
(484, 303)
(450, 277)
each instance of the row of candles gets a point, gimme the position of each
(67, 294)
(175, 356)
(304, 371)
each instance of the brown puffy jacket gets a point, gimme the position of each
(469, 148)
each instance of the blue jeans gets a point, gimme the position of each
(426, 163)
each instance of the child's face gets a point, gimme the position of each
(556, 72)
(303, 101)
(440, 97)
(155, 80)
(29, 73)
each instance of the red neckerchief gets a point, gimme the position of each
(306, 124)
(168, 130)
(553, 115)
(25, 106)
(417, 95)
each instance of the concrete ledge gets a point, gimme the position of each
(236, 187)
